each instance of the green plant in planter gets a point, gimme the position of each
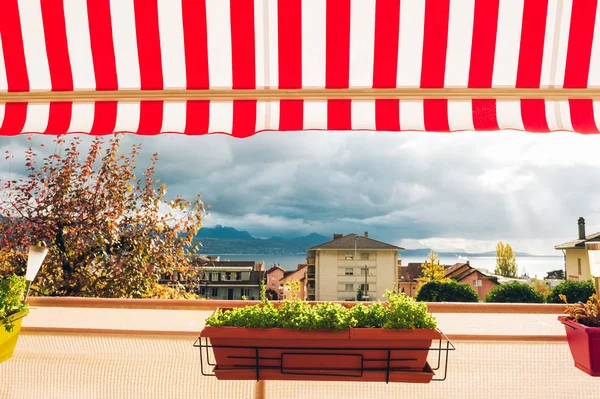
(399, 312)
(587, 313)
(12, 293)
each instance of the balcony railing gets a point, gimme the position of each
(105, 348)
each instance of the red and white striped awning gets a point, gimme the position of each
(243, 66)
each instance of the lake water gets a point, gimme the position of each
(533, 265)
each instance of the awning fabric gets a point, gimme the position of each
(140, 65)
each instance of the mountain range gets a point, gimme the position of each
(220, 240)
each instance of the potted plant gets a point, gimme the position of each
(12, 311)
(324, 341)
(582, 323)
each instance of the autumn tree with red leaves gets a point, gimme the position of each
(110, 233)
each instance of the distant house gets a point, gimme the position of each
(277, 278)
(577, 265)
(231, 280)
(338, 268)
(408, 278)
(465, 274)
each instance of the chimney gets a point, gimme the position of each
(581, 223)
(468, 263)
(336, 236)
(367, 234)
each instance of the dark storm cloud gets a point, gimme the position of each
(477, 187)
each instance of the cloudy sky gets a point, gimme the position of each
(460, 191)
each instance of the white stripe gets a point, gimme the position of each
(362, 43)
(551, 117)
(460, 37)
(125, 44)
(563, 43)
(3, 81)
(273, 46)
(274, 116)
(37, 118)
(508, 42)
(82, 118)
(546, 78)
(78, 41)
(174, 117)
(565, 115)
(259, 42)
(410, 43)
(594, 75)
(315, 115)
(411, 115)
(170, 25)
(314, 43)
(363, 115)
(34, 45)
(508, 114)
(2, 109)
(596, 109)
(460, 115)
(261, 113)
(220, 117)
(218, 25)
(128, 117)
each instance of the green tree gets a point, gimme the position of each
(506, 264)
(450, 291)
(575, 291)
(514, 292)
(110, 233)
(558, 274)
(431, 270)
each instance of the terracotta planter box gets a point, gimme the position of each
(8, 340)
(584, 343)
(350, 355)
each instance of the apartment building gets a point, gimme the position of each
(231, 280)
(339, 268)
(577, 264)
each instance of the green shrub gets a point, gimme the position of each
(400, 311)
(575, 291)
(514, 293)
(451, 291)
(12, 294)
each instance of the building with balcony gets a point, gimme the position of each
(577, 264)
(338, 269)
(230, 280)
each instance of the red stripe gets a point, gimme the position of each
(196, 48)
(14, 119)
(337, 71)
(12, 46)
(435, 41)
(150, 60)
(103, 53)
(581, 34)
(151, 117)
(57, 50)
(483, 48)
(197, 117)
(243, 66)
(59, 118)
(529, 69)
(385, 64)
(105, 118)
(289, 48)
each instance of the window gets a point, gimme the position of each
(362, 270)
(476, 283)
(238, 276)
(579, 266)
(362, 287)
(349, 287)
(246, 292)
(364, 256)
(348, 256)
(227, 276)
(349, 272)
(210, 276)
(214, 292)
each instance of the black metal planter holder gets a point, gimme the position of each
(442, 346)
